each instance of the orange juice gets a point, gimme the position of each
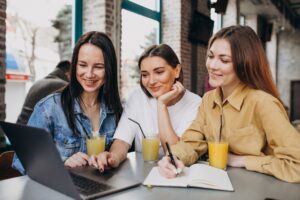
(150, 148)
(217, 154)
(95, 145)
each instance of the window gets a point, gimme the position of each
(38, 36)
(135, 40)
(242, 20)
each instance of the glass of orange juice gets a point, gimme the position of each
(95, 144)
(217, 154)
(150, 147)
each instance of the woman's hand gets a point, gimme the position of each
(77, 160)
(176, 90)
(166, 169)
(235, 160)
(104, 160)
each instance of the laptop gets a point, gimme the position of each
(38, 154)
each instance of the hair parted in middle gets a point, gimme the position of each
(165, 52)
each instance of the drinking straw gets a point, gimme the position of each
(139, 126)
(221, 126)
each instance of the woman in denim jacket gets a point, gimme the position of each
(90, 104)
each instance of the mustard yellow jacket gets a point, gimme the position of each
(256, 126)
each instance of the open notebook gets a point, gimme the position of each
(198, 175)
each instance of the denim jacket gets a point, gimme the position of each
(48, 114)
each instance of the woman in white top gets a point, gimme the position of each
(161, 106)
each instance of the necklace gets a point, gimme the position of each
(86, 106)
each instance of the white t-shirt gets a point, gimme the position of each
(143, 109)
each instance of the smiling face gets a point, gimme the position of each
(157, 75)
(220, 67)
(90, 71)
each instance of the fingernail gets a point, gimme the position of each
(179, 170)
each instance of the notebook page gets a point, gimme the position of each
(202, 175)
(155, 179)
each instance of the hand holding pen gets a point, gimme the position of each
(177, 170)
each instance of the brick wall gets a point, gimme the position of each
(2, 57)
(202, 49)
(171, 23)
(185, 45)
(104, 16)
(93, 15)
(176, 16)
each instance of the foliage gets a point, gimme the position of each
(63, 23)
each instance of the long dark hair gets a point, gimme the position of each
(109, 91)
(248, 57)
(165, 52)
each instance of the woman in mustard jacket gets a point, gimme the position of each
(255, 123)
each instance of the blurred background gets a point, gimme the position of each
(37, 34)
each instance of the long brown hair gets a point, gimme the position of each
(109, 92)
(165, 52)
(248, 57)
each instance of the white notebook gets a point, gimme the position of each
(197, 175)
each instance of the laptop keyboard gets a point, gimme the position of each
(87, 186)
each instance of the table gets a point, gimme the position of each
(247, 185)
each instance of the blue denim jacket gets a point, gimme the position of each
(48, 114)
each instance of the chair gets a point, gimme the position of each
(6, 171)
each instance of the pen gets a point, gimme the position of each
(172, 158)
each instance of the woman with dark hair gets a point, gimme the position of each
(255, 122)
(161, 105)
(88, 105)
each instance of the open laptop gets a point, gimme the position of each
(41, 160)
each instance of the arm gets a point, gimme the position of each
(192, 144)
(42, 118)
(119, 149)
(166, 131)
(282, 159)
(113, 158)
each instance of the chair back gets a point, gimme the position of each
(6, 170)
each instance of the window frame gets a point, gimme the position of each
(145, 12)
(77, 21)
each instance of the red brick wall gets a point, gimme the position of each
(184, 43)
(201, 50)
(109, 17)
(176, 16)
